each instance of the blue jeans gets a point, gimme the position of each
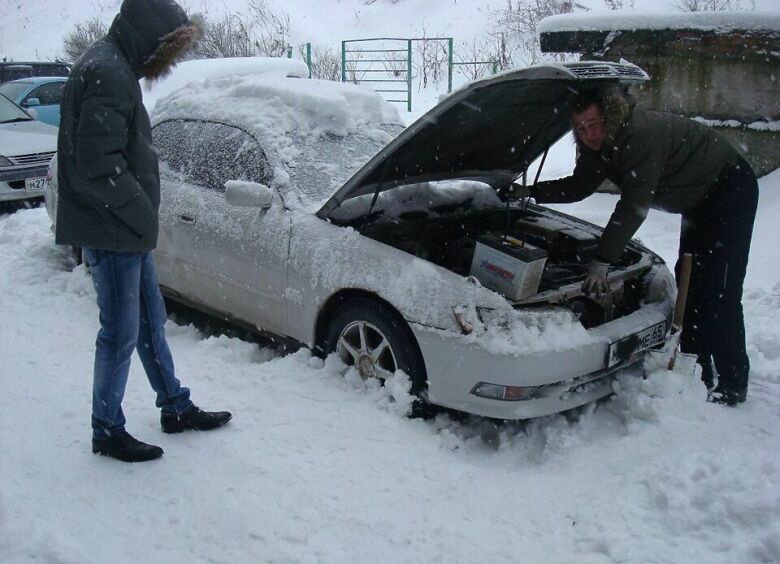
(132, 317)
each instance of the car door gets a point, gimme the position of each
(48, 107)
(227, 258)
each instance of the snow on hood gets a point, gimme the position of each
(705, 21)
(424, 197)
(275, 106)
(27, 137)
(205, 69)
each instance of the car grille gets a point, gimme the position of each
(607, 70)
(32, 159)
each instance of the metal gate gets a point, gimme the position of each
(387, 68)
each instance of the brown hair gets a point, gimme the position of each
(611, 101)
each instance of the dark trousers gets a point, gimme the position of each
(718, 234)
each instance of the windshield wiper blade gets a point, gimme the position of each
(14, 120)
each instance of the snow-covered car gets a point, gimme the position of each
(26, 147)
(303, 209)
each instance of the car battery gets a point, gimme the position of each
(508, 266)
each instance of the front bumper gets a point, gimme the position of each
(12, 182)
(567, 378)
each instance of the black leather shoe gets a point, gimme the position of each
(123, 446)
(726, 396)
(194, 419)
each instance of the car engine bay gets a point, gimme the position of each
(450, 241)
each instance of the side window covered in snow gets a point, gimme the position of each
(208, 154)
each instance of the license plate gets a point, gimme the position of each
(35, 184)
(625, 348)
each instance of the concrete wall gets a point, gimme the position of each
(715, 75)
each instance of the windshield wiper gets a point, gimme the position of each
(14, 120)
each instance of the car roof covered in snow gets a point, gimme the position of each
(208, 69)
(272, 105)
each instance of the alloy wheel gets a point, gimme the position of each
(363, 345)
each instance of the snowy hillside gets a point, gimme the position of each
(33, 29)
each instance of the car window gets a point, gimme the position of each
(208, 154)
(325, 162)
(48, 94)
(11, 112)
(14, 89)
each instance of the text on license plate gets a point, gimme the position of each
(35, 184)
(627, 347)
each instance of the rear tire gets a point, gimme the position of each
(373, 337)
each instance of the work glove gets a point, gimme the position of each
(596, 280)
(517, 191)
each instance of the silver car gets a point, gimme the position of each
(301, 208)
(26, 147)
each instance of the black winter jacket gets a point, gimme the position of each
(657, 160)
(108, 177)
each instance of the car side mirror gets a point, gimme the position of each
(30, 102)
(32, 113)
(246, 194)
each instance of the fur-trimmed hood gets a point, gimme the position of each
(153, 34)
(617, 107)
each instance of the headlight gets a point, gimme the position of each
(501, 392)
(469, 317)
(4, 161)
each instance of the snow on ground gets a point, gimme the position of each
(319, 467)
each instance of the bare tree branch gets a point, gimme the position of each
(82, 37)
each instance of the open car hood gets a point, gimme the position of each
(490, 131)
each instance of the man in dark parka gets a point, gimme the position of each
(109, 193)
(664, 161)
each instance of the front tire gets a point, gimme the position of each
(371, 336)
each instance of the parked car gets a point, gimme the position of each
(303, 209)
(11, 70)
(26, 147)
(43, 94)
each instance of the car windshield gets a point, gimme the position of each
(11, 112)
(14, 89)
(326, 162)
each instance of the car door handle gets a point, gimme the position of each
(186, 218)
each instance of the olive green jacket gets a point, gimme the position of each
(657, 160)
